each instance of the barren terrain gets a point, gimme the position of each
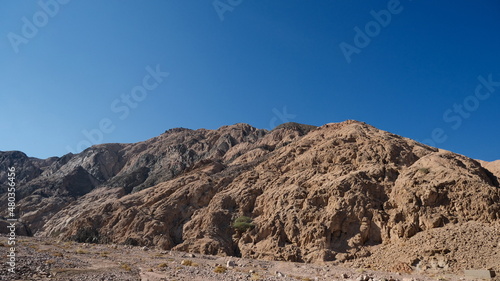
(48, 259)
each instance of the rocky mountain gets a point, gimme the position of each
(345, 192)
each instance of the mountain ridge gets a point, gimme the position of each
(328, 193)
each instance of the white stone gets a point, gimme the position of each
(484, 274)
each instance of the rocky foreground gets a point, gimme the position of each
(48, 259)
(346, 193)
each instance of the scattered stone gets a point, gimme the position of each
(478, 273)
(363, 278)
(230, 263)
(145, 248)
(402, 268)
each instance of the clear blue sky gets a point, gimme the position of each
(248, 63)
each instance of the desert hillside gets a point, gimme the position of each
(344, 192)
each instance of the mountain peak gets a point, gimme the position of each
(302, 128)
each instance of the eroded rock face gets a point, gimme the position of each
(314, 194)
(45, 187)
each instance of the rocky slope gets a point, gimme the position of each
(47, 186)
(340, 192)
(492, 167)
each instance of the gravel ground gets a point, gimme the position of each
(48, 259)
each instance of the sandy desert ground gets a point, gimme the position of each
(48, 259)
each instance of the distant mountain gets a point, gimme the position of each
(296, 193)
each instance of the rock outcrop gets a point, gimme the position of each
(313, 194)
